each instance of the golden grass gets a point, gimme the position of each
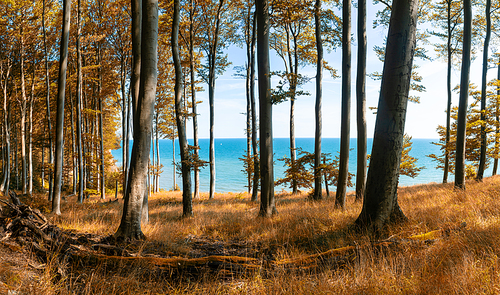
(466, 262)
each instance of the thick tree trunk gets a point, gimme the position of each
(361, 103)
(318, 191)
(464, 95)
(448, 104)
(267, 199)
(136, 57)
(380, 204)
(484, 143)
(130, 225)
(61, 86)
(346, 106)
(187, 206)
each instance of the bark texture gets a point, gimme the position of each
(380, 205)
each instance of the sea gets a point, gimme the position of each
(230, 176)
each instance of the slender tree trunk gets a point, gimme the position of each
(130, 225)
(193, 99)
(61, 85)
(248, 131)
(267, 199)
(464, 94)
(484, 143)
(157, 172)
(361, 103)
(101, 133)
(4, 185)
(187, 206)
(448, 104)
(24, 172)
(346, 106)
(30, 134)
(173, 165)
(81, 171)
(255, 152)
(47, 100)
(497, 120)
(125, 118)
(380, 204)
(73, 147)
(318, 191)
(211, 97)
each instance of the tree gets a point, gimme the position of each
(448, 15)
(217, 36)
(464, 93)
(187, 207)
(130, 224)
(361, 102)
(482, 161)
(380, 204)
(267, 200)
(346, 105)
(63, 64)
(318, 118)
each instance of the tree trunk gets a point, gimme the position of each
(380, 204)
(448, 104)
(318, 191)
(255, 152)
(267, 199)
(4, 185)
(484, 143)
(211, 97)
(61, 86)
(24, 172)
(464, 94)
(73, 147)
(125, 118)
(187, 206)
(193, 99)
(248, 130)
(30, 134)
(497, 120)
(173, 165)
(47, 100)
(136, 57)
(101, 133)
(130, 225)
(361, 103)
(81, 175)
(346, 106)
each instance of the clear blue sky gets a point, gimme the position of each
(422, 119)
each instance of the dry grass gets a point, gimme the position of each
(464, 263)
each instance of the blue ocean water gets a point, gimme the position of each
(231, 178)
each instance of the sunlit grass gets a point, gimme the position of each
(465, 262)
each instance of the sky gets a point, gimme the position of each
(421, 121)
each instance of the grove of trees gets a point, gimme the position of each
(81, 79)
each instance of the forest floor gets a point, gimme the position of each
(450, 245)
